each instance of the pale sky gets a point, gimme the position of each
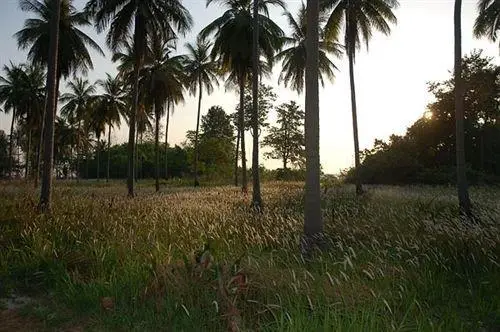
(390, 78)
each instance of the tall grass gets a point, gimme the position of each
(397, 259)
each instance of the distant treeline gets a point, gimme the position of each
(427, 152)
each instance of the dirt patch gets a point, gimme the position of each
(11, 320)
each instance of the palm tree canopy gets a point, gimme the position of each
(294, 56)
(12, 87)
(73, 53)
(112, 100)
(488, 22)
(167, 17)
(77, 100)
(200, 68)
(233, 34)
(365, 17)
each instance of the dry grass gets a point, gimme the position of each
(189, 259)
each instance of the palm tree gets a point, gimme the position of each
(12, 90)
(462, 188)
(114, 107)
(98, 118)
(313, 223)
(163, 77)
(75, 108)
(50, 112)
(488, 21)
(166, 17)
(293, 58)
(73, 54)
(233, 35)
(201, 71)
(361, 18)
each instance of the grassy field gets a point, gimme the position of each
(201, 260)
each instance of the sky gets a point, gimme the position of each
(391, 76)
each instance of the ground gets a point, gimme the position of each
(397, 258)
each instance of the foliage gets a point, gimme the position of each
(266, 96)
(426, 154)
(287, 138)
(73, 54)
(488, 20)
(4, 154)
(293, 57)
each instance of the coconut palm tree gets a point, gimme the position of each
(163, 76)
(488, 21)
(114, 106)
(202, 74)
(462, 187)
(166, 17)
(12, 91)
(72, 53)
(293, 57)
(97, 117)
(313, 224)
(360, 18)
(75, 108)
(233, 34)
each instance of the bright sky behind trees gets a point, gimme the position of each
(391, 78)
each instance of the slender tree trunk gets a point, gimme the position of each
(139, 42)
(462, 187)
(136, 161)
(241, 118)
(28, 157)
(50, 112)
(98, 155)
(141, 161)
(256, 194)
(236, 157)
(109, 152)
(350, 53)
(313, 224)
(166, 140)
(11, 141)
(157, 145)
(196, 143)
(78, 153)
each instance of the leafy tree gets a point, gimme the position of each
(293, 57)
(267, 97)
(360, 19)
(427, 152)
(488, 21)
(287, 139)
(233, 34)
(217, 124)
(148, 17)
(202, 73)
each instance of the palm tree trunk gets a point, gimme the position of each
(157, 145)
(98, 155)
(256, 194)
(50, 112)
(11, 140)
(196, 147)
(109, 152)
(350, 54)
(236, 157)
(462, 187)
(241, 118)
(313, 224)
(136, 161)
(28, 157)
(141, 160)
(166, 140)
(78, 153)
